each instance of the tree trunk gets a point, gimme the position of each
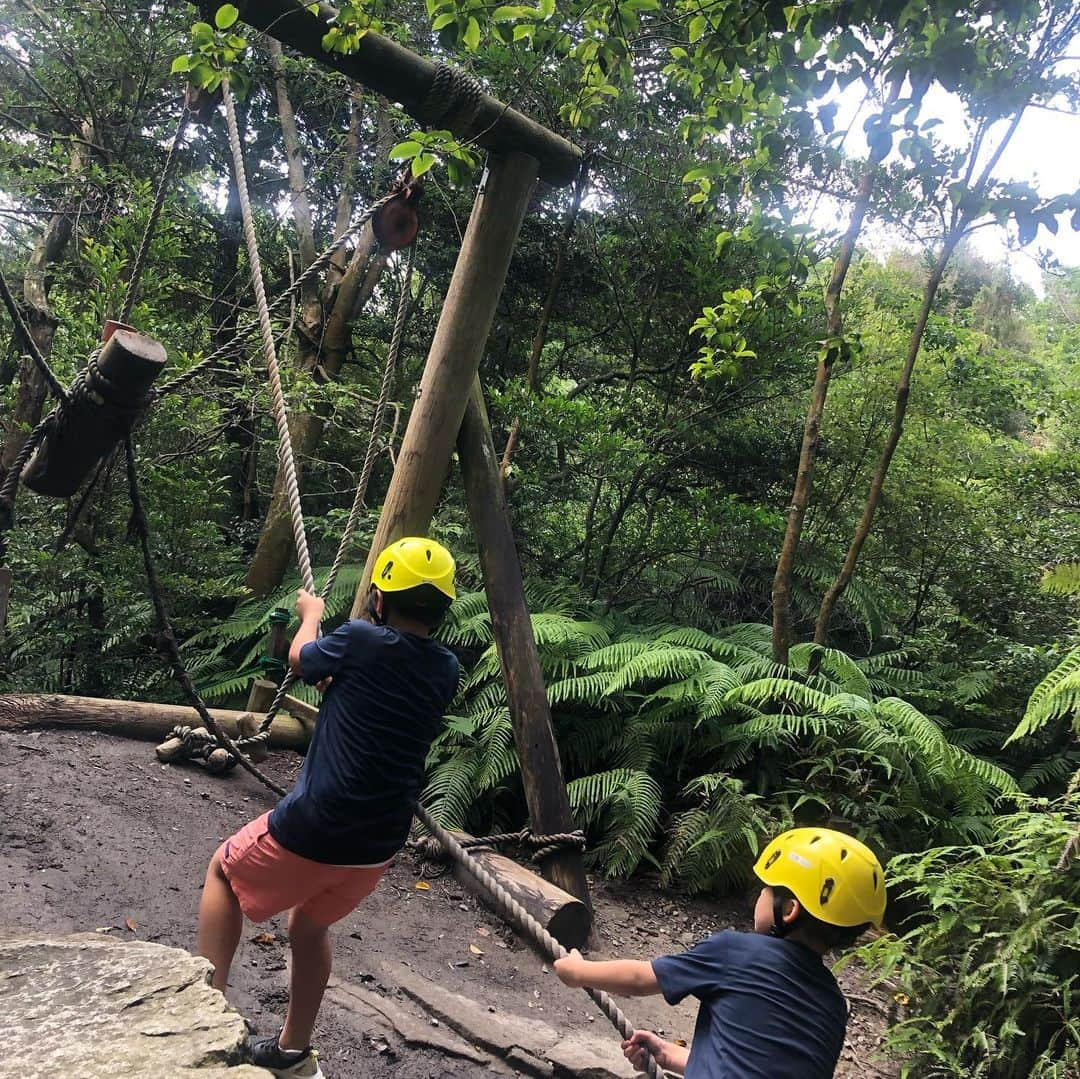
(873, 496)
(532, 376)
(804, 480)
(959, 224)
(30, 399)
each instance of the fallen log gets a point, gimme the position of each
(563, 915)
(140, 719)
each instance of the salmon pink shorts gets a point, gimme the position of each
(268, 879)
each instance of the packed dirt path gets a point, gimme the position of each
(96, 835)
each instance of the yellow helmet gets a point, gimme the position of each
(411, 562)
(834, 877)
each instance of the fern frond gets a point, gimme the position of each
(1062, 580)
(1057, 695)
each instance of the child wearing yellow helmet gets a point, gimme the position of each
(770, 1008)
(327, 843)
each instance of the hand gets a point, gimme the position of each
(571, 969)
(324, 685)
(642, 1045)
(309, 606)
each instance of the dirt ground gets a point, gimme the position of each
(94, 833)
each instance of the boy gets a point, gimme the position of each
(770, 1008)
(327, 843)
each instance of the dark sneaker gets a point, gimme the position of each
(286, 1063)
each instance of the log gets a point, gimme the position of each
(135, 719)
(530, 713)
(454, 357)
(564, 916)
(98, 416)
(390, 69)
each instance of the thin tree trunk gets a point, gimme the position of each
(41, 323)
(301, 210)
(324, 342)
(959, 225)
(896, 429)
(796, 512)
(532, 376)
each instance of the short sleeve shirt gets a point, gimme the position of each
(770, 1008)
(353, 800)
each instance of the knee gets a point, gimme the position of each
(304, 931)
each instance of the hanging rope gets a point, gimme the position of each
(266, 333)
(361, 487)
(142, 530)
(139, 264)
(32, 350)
(510, 909)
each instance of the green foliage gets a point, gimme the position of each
(990, 959)
(684, 748)
(215, 53)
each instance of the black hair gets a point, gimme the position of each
(425, 603)
(825, 936)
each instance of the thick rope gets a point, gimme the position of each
(361, 487)
(266, 333)
(510, 909)
(142, 530)
(453, 100)
(540, 847)
(139, 264)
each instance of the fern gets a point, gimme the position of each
(620, 809)
(1056, 696)
(1062, 580)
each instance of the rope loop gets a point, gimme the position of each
(453, 100)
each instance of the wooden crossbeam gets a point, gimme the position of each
(390, 69)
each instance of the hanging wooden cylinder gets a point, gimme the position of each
(101, 412)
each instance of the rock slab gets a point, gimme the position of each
(90, 1007)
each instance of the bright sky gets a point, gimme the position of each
(1044, 151)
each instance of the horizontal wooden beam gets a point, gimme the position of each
(392, 70)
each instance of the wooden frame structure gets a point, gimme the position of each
(450, 409)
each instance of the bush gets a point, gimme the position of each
(991, 963)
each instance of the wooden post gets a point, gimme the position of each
(99, 417)
(538, 753)
(455, 354)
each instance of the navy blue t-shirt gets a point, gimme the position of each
(353, 800)
(770, 1008)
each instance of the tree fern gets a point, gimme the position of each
(620, 809)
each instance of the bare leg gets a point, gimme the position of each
(220, 923)
(308, 975)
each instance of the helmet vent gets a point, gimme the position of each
(827, 890)
(843, 854)
(816, 839)
(772, 858)
(428, 553)
(386, 570)
(875, 880)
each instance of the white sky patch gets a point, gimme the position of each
(1044, 151)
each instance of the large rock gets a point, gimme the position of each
(89, 1007)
